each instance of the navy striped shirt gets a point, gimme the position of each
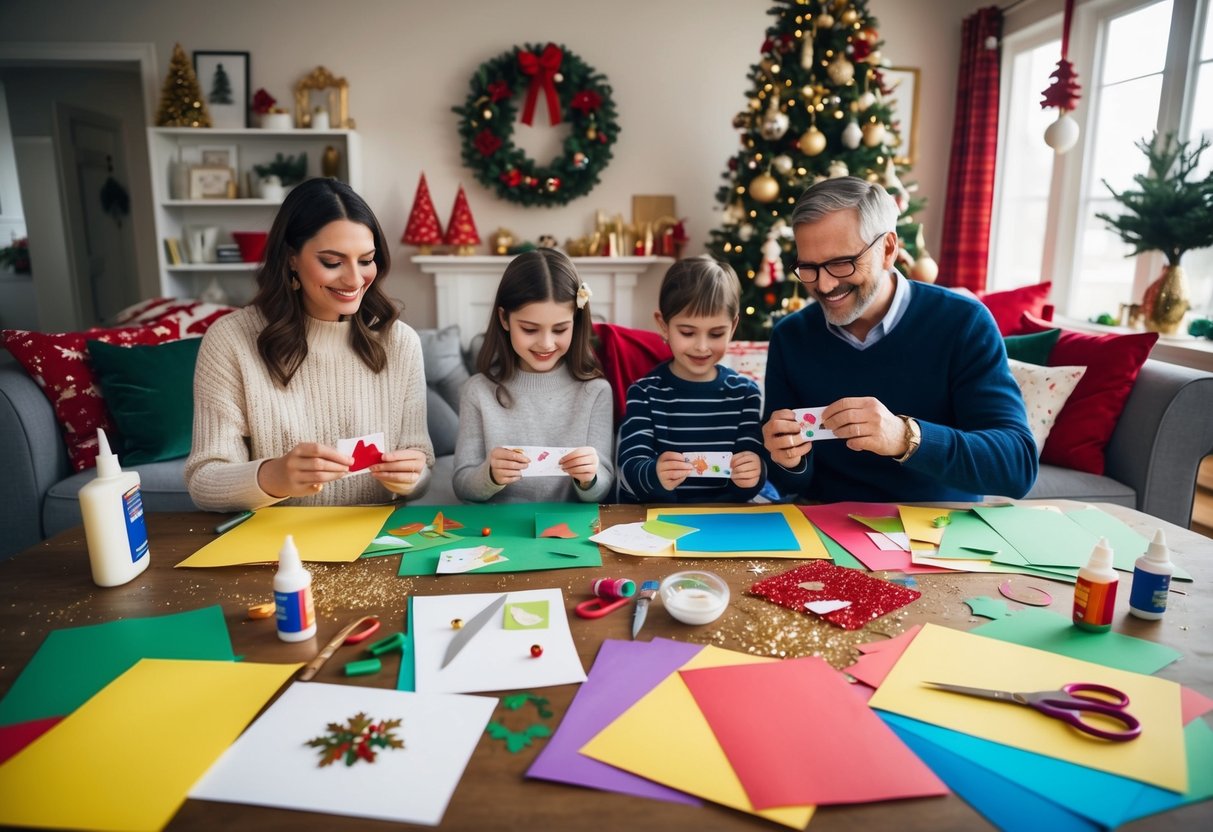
(667, 413)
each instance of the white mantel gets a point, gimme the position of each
(465, 287)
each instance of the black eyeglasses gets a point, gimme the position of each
(841, 267)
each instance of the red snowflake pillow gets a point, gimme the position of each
(192, 317)
(59, 364)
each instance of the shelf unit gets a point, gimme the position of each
(253, 146)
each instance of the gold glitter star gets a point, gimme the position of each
(757, 569)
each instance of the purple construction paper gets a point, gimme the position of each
(623, 673)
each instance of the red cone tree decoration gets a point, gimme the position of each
(461, 228)
(422, 229)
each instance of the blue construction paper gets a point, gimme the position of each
(1198, 737)
(760, 532)
(1010, 807)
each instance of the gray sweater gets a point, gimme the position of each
(552, 409)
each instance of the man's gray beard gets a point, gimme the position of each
(866, 294)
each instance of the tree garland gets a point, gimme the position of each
(558, 84)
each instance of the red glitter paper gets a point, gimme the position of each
(870, 597)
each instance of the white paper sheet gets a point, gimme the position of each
(545, 462)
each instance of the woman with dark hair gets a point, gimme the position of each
(318, 356)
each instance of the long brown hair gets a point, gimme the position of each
(536, 276)
(283, 342)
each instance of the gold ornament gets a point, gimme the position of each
(849, 17)
(825, 20)
(812, 142)
(501, 240)
(874, 57)
(925, 269)
(795, 302)
(330, 162)
(1166, 300)
(873, 134)
(764, 188)
(840, 70)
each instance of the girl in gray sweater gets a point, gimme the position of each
(539, 385)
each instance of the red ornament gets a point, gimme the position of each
(512, 177)
(1063, 88)
(486, 531)
(860, 50)
(586, 101)
(461, 228)
(536, 651)
(767, 46)
(542, 68)
(487, 142)
(422, 228)
(498, 91)
(602, 138)
(769, 298)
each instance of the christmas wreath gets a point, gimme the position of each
(572, 92)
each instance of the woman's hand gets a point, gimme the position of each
(401, 469)
(581, 464)
(506, 465)
(672, 470)
(747, 469)
(302, 471)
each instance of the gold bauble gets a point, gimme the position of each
(795, 303)
(873, 134)
(764, 188)
(874, 57)
(849, 17)
(812, 142)
(925, 269)
(840, 70)
(825, 20)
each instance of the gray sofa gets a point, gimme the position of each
(1165, 430)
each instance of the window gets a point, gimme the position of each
(1144, 66)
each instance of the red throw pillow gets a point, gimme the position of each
(1085, 424)
(1006, 307)
(60, 365)
(627, 354)
(192, 317)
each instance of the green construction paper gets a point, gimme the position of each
(884, 525)
(1127, 545)
(76, 662)
(987, 607)
(1042, 536)
(512, 528)
(414, 542)
(545, 521)
(968, 537)
(666, 529)
(386, 545)
(407, 678)
(515, 741)
(536, 608)
(1046, 630)
(840, 556)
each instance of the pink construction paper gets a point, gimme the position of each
(13, 738)
(898, 643)
(809, 740)
(1192, 704)
(833, 519)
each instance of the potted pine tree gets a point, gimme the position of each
(1170, 211)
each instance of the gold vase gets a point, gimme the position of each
(1166, 301)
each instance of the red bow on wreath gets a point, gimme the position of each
(541, 68)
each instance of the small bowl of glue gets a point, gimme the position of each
(695, 597)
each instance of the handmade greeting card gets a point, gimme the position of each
(366, 451)
(810, 424)
(710, 463)
(545, 462)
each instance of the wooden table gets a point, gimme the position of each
(49, 587)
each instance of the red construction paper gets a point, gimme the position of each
(879, 657)
(1192, 704)
(870, 597)
(834, 520)
(811, 742)
(15, 737)
(365, 456)
(897, 643)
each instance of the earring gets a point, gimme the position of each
(295, 284)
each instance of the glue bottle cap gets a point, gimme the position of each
(107, 460)
(1158, 551)
(1101, 555)
(288, 557)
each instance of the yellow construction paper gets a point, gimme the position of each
(322, 533)
(940, 654)
(127, 758)
(919, 523)
(810, 544)
(665, 738)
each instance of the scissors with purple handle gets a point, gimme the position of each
(1071, 705)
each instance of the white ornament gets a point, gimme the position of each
(852, 135)
(781, 229)
(782, 163)
(893, 185)
(838, 169)
(745, 233)
(1062, 134)
(925, 269)
(771, 270)
(774, 123)
(732, 213)
(866, 101)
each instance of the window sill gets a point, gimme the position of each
(1180, 348)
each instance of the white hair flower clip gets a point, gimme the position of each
(583, 295)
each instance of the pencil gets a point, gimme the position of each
(228, 525)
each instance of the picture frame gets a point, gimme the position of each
(211, 182)
(223, 78)
(212, 155)
(904, 83)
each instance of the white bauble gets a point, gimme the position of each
(866, 101)
(782, 163)
(852, 135)
(837, 169)
(1062, 134)
(745, 233)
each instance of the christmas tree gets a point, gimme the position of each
(221, 86)
(819, 108)
(181, 103)
(422, 229)
(461, 228)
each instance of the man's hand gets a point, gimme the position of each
(866, 425)
(782, 438)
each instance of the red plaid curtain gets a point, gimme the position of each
(966, 221)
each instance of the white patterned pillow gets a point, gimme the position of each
(1045, 390)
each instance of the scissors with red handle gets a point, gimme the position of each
(598, 607)
(1075, 704)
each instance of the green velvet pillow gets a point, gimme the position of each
(1034, 348)
(150, 393)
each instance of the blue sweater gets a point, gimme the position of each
(667, 413)
(945, 364)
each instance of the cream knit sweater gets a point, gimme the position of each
(242, 417)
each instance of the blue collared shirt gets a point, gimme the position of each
(901, 299)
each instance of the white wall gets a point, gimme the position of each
(678, 69)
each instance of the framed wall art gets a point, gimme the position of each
(223, 78)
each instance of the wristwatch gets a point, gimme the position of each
(913, 437)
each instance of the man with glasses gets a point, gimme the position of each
(915, 376)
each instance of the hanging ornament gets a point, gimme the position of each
(812, 142)
(742, 121)
(825, 20)
(837, 169)
(1062, 93)
(1062, 134)
(774, 122)
(806, 49)
(866, 101)
(781, 229)
(733, 213)
(745, 233)
(771, 269)
(849, 16)
(874, 57)
(764, 188)
(840, 70)
(782, 164)
(795, 302)
(925, 269)
(873, 134)
(852, 135)
(894, 186)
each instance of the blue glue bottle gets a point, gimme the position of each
(293, 606)
(112, 508)
(1152, 580)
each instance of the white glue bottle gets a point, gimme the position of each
(293, 607)
(1095, 591)
(1152, 580)
(112, 508)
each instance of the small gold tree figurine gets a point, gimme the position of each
(181, 103)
